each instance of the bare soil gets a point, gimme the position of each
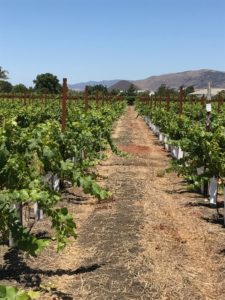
(153, 240)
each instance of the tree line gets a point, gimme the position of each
(43, 83)
(50, 84)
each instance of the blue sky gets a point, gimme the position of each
(110, 39)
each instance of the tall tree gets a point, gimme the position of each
(5, 86)
(47, 83)
(189, 89)
(3, 73)
(99, 87)
(20, 88)
(131, 90)
(131, 94)
(164, 90)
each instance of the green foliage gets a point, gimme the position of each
(130, 100)
(114, 92)
(98, 87)
(19, 88)
(131, 94)
(3, 73)
(63, 224)
(12, 293)
(31, 146)
(163, 91)
(203, 148)
(5, 86)
(131, 90)
(47, 83)
(188, 90)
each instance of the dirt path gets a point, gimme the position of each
(152, 242)
(155, 241)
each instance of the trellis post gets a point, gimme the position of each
(64, 104)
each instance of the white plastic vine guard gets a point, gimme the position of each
(179, 153)
(161, 137)
(186, 154)
(146, 119)
(52, 180)
(82, 154)
(200, 170)
(173, 151)
(74, 160)
(167, 147)
(176, 152)
(202, 188)
(38, 213)
(55, 182)
(156, 130)
(12, 242)
(212, 190)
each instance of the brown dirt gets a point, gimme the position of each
(137, 149)
(155, 241)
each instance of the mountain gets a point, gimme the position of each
(81, 86)
(121, 85)
(198, 79)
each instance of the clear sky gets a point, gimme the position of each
(110, 39)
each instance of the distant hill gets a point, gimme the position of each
(121, 85)
(81, 86)
(198, 79)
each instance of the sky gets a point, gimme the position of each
(86, 40)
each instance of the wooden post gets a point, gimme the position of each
(160, 101)
(29, 99)
(154, 102)
(219, 102)
(86, 99)
(208, 108)
(181, 99)
(46, 96)
(64, 104)
(203, 101)
(168, 103)
(24, 99)
(97, 99)
(207, 125)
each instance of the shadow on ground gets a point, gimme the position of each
(15, 268)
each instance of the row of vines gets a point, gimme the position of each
(194, 137)
(38, 158)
